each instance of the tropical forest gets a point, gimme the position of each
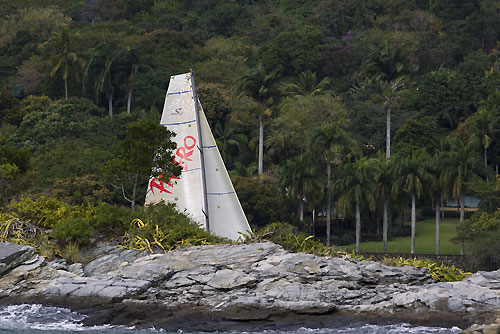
(345, 125)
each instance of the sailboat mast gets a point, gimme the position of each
(200, 147)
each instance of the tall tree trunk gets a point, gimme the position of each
(462, 217)
(485, 156)
(387, 156)
(261, 144)
(65, 89)
(301, 207)
(328, 202)
(486, 160)
(389, 218)
(110, 104)
(134, 191)
(358, 226)
(437, 207)
(413, 221)
(388, 131)
(384, 224)
(129, 98)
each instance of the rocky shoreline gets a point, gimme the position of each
(252, 286)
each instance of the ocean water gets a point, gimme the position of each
(38, 319)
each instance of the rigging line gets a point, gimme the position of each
(179, 123)
(179, 93)
(191, 170)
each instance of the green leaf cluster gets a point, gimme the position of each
(160, 227)
(438, 271)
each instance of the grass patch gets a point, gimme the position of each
(425, 239)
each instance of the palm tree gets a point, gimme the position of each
(336, 146)
(261, 87)
(411, 176)
(134, 70)
(299, 178)
(483, 128)
(307, 84)
(436, 188)
(65, 57)
(131, 67)
(229, 140)
(355, 184)
(383, 179)
(462, 165)
(387, 68)
(110, 71)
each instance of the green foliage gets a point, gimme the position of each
(295, 51)
(71, 252)
(227, 60)
(482, 221)
(75, 230)
(260, 201)
(9, 107)
(64, 119)
(83, 189)
(144, 42)
(161, 227)
(40, 21)
(484, 246)
(299, 116)
(301, 178)
(44, 211)
(489, 192)
(416, 134)
(14, 230)
(71, 160)
(146, 151)
(112, 220)
(291, 240)
(446, 95)
(438, 271)
(216, 103)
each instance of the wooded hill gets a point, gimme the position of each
(319, 77)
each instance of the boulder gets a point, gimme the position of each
(12, 255)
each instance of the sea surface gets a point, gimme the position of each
(38, 319)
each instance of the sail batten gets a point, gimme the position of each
(204, 177)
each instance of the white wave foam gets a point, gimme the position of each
(36, 316)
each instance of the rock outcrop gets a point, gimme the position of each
(12, 255)
(218, 287)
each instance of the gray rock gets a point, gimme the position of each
(12, 255)
(249, 282)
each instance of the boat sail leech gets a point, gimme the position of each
(224, 211)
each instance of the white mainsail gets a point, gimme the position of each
(200, 179)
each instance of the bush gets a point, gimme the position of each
(71, 253)
(485, 251)
(73, 230)
(438, 271)
(260, 201)
(81, 189)
(162, 227)
(44, 211)
(288, 237)
(112, 219)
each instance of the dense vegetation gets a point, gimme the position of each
(367, 107)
